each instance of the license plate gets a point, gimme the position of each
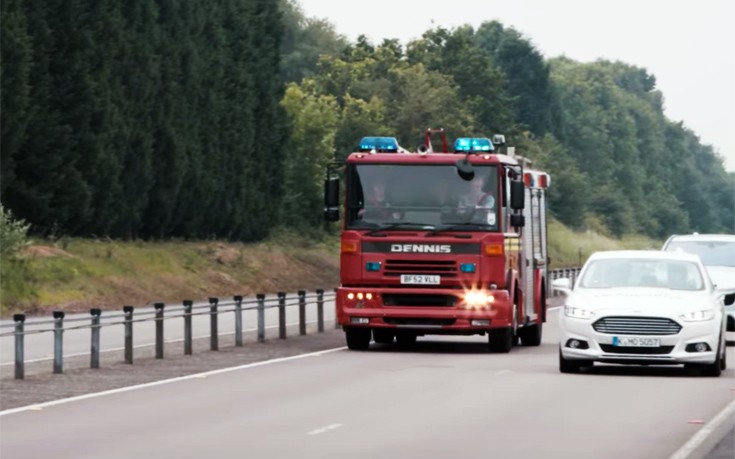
(423, 279)
(635, 341)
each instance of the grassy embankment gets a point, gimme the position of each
(76, 274)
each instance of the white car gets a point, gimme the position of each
(643, 307)
(717, 252)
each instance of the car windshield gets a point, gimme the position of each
(638, 272)
(381, 196)
(712, 253)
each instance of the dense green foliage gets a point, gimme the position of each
(171, 118)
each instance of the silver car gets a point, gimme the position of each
(717, 252)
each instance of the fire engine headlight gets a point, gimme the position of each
(478, 299)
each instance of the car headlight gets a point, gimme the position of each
(698, 316)
(578, 313)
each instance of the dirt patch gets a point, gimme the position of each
(45, 251)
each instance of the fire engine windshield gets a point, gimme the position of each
(433, 196)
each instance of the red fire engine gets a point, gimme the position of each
(440, 243)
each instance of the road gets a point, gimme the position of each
(40, 346)
(445, 397)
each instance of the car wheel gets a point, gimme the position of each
(714, 369)
(383, 336)
(501, 340)
(723, 364)
(358, 339)
(571, 366)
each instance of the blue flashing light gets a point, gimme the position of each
(372, 266)
(473, 144)
(467, 267)
(389, 144)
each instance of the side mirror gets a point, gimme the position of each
(729, 299)
(517, 195)
(331, 200)
(564, 285)
(517, 221)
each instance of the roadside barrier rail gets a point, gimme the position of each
(162, 312)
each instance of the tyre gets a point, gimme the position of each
(358, 339)
(383, 335)
(571, 366)
(501, 340)
(405, 338)
(531, 335)
(714, 369)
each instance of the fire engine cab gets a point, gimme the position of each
(440, 242)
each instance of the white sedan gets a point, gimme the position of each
(643, 307)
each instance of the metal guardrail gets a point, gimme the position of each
(187, 310)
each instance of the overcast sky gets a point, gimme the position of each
(689, 46)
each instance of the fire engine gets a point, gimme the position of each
(440, 242)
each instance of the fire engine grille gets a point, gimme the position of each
(636, 350)
(418, 299)
(445, 268)
(636, 326)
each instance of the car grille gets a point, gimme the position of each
(609, 348)
(636, 326)
(418, 299)
(445, 268)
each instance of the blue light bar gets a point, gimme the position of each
(379, 144)
(473, 144)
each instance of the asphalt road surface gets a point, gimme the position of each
(442, 398)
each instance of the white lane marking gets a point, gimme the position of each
(177, 340)
(555, 307)
(119, 390)
(501, 372)
(325, 429)
(718, 424)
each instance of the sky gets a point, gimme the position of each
(688, 46)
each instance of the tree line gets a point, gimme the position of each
(168, 118)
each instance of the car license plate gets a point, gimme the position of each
(636, 341)
(422, 279)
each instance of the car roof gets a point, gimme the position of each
(701, 237)
(644, 254)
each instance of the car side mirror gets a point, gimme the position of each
(517, 195)
(563, 285)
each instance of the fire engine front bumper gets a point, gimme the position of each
(434, 311)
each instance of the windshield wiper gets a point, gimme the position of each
(457, 226)
(396, 226)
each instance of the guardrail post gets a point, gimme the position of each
(94, 354)
(282, 315)
(128, 311)
(261, 317)
(213, 332)
(58, 342)
(238, 319)
(320, 310)
(187, 326)
(19, 320)
(302, 312)
(159, 329)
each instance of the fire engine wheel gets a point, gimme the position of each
(404, 338)
(531, 334)
(501, 340)
(358, 339)
(383, 336)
